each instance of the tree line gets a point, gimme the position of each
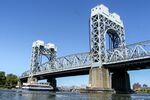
(8, 81)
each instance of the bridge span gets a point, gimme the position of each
(107, 67)
(132, 57)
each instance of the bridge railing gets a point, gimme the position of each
(130, 52)
(63, 63)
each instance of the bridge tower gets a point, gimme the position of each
(40, 49)
(103, 24)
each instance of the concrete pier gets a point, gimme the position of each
(99, 80)
(121, 81)
(53, 83)
(32, 80)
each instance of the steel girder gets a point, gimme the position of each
(70, 62)
(131, 52)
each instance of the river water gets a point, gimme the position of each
(33, 95)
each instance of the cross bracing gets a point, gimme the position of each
(137, 51)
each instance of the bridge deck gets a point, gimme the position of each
(131, 57)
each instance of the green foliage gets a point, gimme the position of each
(11, 80)
(146, 90)
(2, 78)
(8, 81)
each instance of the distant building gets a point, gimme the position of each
(136, 86)
(139, 88)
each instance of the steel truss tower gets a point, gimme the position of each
(40, 49)
(103, 22)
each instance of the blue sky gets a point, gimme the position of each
(66, 24)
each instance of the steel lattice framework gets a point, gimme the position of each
(70, 62)
(101, 23)
(38, 50)
(132, 52)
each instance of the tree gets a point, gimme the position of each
(145, 86)
(11, 80)
(2, 78)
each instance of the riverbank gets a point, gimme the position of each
(7, 87)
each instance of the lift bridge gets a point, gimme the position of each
(134, 54)
(106, 63)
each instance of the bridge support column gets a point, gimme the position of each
(19, 84)
(121, 82)
(53, 83)
(32, 80)
(99, 80)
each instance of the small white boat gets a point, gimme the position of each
(37, 86)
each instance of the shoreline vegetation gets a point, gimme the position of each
(8, 81)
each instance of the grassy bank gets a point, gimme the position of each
(6, 87)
